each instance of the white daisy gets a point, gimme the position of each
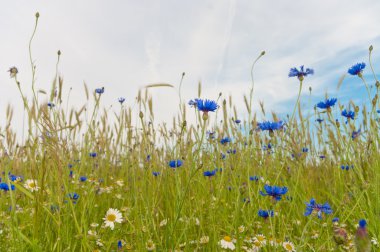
(261, 238)
(113, 215)
(31, 185)
(150, 245)
(256, 244)
(289, 246)
(227, 243)
(241, 229)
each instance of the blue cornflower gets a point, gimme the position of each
(93, 154)
(148, 158)
(50, 105)
(254, 178)
(222, 155)
(362, 223)
(355, 134)
(319, 120)
(335, 219)
(275, 191)
(267, 147)
(362, 239)
(301, 73)
(348, 114)
(327, 103)
(175, 163)
(73, 197)
(305, 150)
(15, 178)
(155, 173)
(210, 134)
(121, 100)
(82, 178)
(206, 105)
(119, 245)
(271, 126)
(266, 213)
(346, 167)
(209, 173)
(99, 90)
(225, 140)
(357, 69)
(71, 174)
(69, 166)
(5, 186)
(313, 206)
(231, 151)
(193, 103)
(237, 121)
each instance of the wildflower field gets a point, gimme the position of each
(87, 179)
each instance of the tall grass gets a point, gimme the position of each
(109, 159)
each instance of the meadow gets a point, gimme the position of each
(86, 179)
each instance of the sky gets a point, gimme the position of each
(124, 45)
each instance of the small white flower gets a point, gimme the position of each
(99, 243)
(256, 244)
(112, 216)
(150, 245)
(241, 229)
(197, 222)
(91, 233)
(375, 242)
(227, 243)
(94, 225)
(120, 183)
(314, 235)
(31, 185)
(260, 238)
(163, 222)
(289, 246)
(204, 239)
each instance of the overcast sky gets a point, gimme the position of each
(123, 45)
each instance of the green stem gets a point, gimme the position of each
(251, 91)
(366, 86)
(295, 106)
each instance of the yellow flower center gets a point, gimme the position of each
(260, 238)
(288, 247)
(227, 238)
(257, 243)
(32, 184)
(111, 217)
